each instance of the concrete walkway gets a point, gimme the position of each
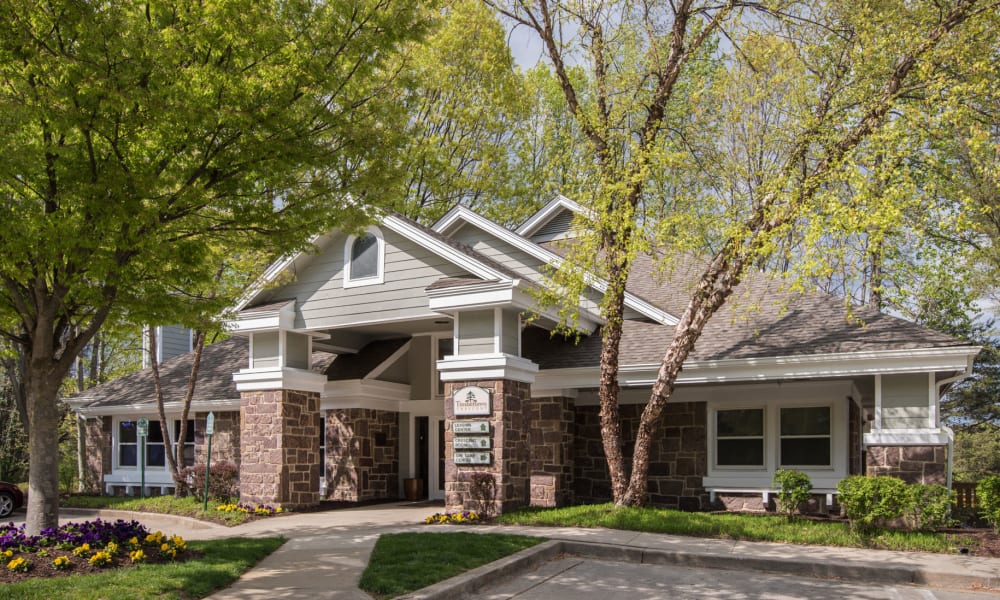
(327, 551)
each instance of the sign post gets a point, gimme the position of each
(142, 430)
(209, 431)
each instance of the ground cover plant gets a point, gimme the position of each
(225, 513)
(395, 569)
(84, 547)
(750, 527)
(216, 565)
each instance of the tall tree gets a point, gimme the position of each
(464, 99)
(853, 65)
(139, 134)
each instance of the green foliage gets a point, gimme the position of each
(872, 502)
(988, 500)
(928, 507)
(977, 453)
(13, 438)
(731, 526)
(395, 569)
(169, 505)
(794, 489)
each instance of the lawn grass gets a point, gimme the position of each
(223, 562)
(168, 505)
(750, 527)
(405, 562)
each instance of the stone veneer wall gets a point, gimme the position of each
(678, 460)
(511, 453)
(551, 438)
(97, 453)
(912, 464)
(279, 448)
(225, 440)
(362, 454)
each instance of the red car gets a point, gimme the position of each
(11, 498)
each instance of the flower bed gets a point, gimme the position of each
(260, 510)
(85, 547)
(453, 518)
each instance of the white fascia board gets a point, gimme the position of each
(438, 247)
(279, 378)
(907, 437)
(502, 293)
(773, 368)
(541, 217)
(359, 393)
(472, 367)
(264, 320)
(270, 274)
(527, 246)
(171, 408)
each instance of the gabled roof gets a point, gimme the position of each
(545, 214)
(460, 214)
(456, 252)
(762, 319)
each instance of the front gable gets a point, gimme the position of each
(323, 301)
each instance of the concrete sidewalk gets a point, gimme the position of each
(327, 551)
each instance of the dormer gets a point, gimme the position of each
(553, 222)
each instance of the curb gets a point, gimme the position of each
(138, 516)
(461, 586)
(466, 584)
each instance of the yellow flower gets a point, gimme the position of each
(137, 556)
(100, 559)
(83, 550)
(60, 563)
(6, 553)
(133, 542)
(164, 547)
(19, 564)
(111, 548)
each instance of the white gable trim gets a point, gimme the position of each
(396, 224)
(545, 214)
(631, 301)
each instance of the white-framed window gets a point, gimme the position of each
(364, 258)
(128, 444)
(805, 436)
(740, 441)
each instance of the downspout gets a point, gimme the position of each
(951, 434)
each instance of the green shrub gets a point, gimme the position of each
(988, 500)
(929, 507)
(872, 502)
(794, 488)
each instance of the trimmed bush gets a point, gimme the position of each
(988, 500)
(929, 507)
(223, 484)
(872, 502)
(794, 489)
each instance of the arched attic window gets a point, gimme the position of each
(364, 258)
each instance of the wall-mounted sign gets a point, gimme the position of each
(478, 443)
(472, 401)
(471, 426)
(472, 458)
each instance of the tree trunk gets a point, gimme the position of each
(611, 435)
(43, 445)
(199, 346)
(154, 363)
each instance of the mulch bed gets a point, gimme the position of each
(42, 566)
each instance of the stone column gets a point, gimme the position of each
(912, 464)
(510, 449)
(279, 448)
(551, 441)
